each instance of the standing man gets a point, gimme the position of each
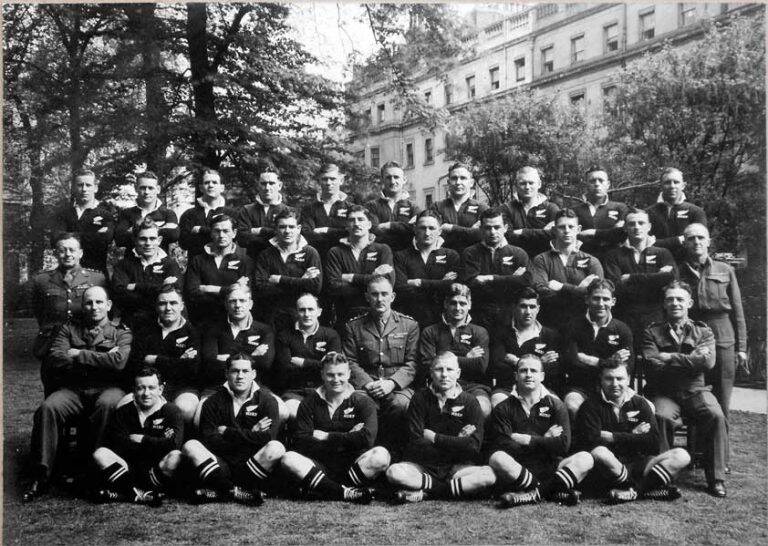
(495, 270)
(678, 352)
(382, 347)
(195, 223)
(84, 371)
(256, 222)
(324, 220)
(425, 270)
(531, 216)
(287, 268)
(672, 213)
(148, 205)
(352, 263)
(459, 211)
(601, 219)
(56, 296)
(334, 453)
(562, 274)
(455, 333)
(92, 219)
(445, 432)
(393, 213)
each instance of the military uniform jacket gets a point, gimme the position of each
(462, 233)
(218, 340)
(163, 431)
(257, 215)
(291, 285)
(390, 354)
(582, 339)
(669, 221)
(314, 215)
(437, 338)
(97, 366)
(597, 414)
(177, 372)
(291, 343)
(505, 342)
(534, 238)
(684, 374)
(400, 232)
(128, 219)
(238, 441)
(643, 287)
(148, 279)
(95, 243)
(197, 216)
(314, 414)
(341, 260)
(604, 221)
(479, 259)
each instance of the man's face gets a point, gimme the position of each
(672, 186)
(676, 304)
(147, 190)
(211, 186)
(288, 231)
(240, 376)
(599, 304)
(96, 304)
(269, 187)
(529, 374)
(147, 242)
(460, 182)
(427, 231)
(169, 307)
(567, 230)
(238, 305)
(527, 185)
(392, 181)
(614, 383)
(147, 391)
(336, 378)
(445, 374)
(638, 227)
(493, 230)
(597, 185)
(85, 188)
(525, 312)
(456, 309)
(308, 311)
(380, 297)
(330, 183)
(696, 241)
(358, 225)
(68, 253)
(222, 234)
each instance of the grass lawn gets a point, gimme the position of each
(696, 518)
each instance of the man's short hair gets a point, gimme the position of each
(147, 175)
(595, 167)
(210, 171)
(239, 356)
(529, 169)
(221, 218)
(234, 287)
(612, 364)
(333, 358)
(527, 293)
(601, 284)
(530, 356)
(565, 213)
(460, 165)
(494, 212)
(695, 225)
(83, 172)
(168, 289)
(458, 289)
(287, 212)
(376, 279)
(637, 210)
(430, 213)
(148, 371)
(64, 235)
(670, 170)
(327, 168)
(268, 167)
(390, 165)
(678, 285)
(146, 223)
(444, 355)
(308, 295)
(359, 208)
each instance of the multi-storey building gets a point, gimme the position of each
(570, 50)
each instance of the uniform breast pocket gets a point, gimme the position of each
(717, 286)
(397, 348)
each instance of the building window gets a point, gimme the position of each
(380, 113)
(687, 14)
(409, 155)
(609, 94)
(375, 157)
(470, 87)
(429, 197)
(547, 62)
(577, 49)
(520, 69)
(577, 99)
(429, 151)
(366, 118)
(448, 93)
(647, 25)
(611, 36)
(428, 97)
(494, 74)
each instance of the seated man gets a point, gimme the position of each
(334, 438)
(455, 333)
(424, 271)
(445, 431)
(525, 335)
(381, 346)
(352, 263)
(460, 211)
(220, 264)
(84, 370)
(299, 351)
(529, 434)
(562, 274)
(148, 206)
(195, 223)
(285, 269)
(138, 277)
(237, 450)
(495, 270)
(141, 449)
(171, 345)
(677, 354)
(618, 428)
(593, 339)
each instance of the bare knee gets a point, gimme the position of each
(293, 462)
(602, 454)
(187, 403)
(273, 451)
(485, 405)
(498, 398)
(573, 401)
(679, 457)
(171, 461)
(500, 460)
(397, 473)
(378, 458)
(293, 408)
(103, 457)
(581, 462)
(486, 477)
(193, 449)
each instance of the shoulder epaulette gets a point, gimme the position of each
(700, 323)
(405, 316)
(358, 317)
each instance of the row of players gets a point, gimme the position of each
(87, 359)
